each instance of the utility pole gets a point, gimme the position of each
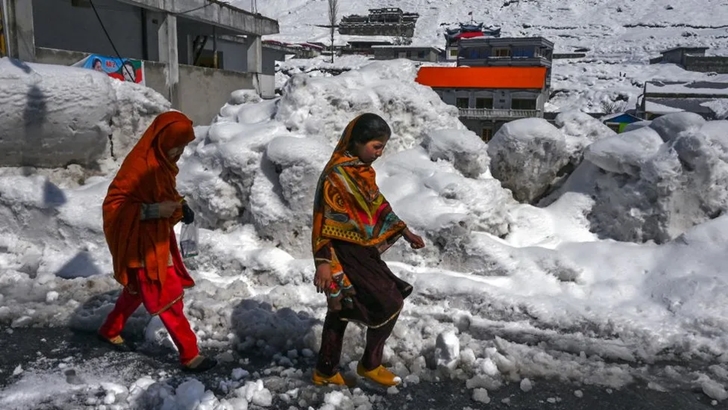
(333, 11)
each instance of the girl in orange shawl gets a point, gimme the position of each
(352, 225)
(140, 209)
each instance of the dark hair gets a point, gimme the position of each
(95, 60)
(368, 127)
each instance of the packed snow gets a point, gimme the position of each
(581, 288)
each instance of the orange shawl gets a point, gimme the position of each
(146, 176)
(349, 207)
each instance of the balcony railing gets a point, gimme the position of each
(497, 113)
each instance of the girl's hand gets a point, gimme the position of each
(415, 241)
(322, 280)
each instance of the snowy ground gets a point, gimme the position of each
(505, 292)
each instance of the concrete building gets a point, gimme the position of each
(488, 97)
(700, 97)
(415, 53)
(693, 59)
(176, 39)
(380, 22)
(507, 51)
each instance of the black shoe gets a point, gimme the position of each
(117, 343)
(199, 364)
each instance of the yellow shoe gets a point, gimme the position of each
(336, 380)
(380, 375)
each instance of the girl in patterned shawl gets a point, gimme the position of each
(352, 225)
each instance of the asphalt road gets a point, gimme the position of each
(41, 348)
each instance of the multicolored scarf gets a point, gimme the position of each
(349, 207)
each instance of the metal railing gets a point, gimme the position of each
(497, 113)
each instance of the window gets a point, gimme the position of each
(501, 52)
(421, 55)
(453, 52)
(486, 134)
(484, 103)
(402, 54)
(523, 52)
(462, 102)
(523, 104)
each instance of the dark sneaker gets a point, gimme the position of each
(199, 364)
(117, 343)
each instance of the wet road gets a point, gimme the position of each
(44, 348)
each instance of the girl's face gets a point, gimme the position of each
(175, 153)
(372, 150)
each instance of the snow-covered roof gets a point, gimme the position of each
(698, 88)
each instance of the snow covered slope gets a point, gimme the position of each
(606, 27)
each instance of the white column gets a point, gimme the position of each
(18, 15)
(169, 56)
(255, 54)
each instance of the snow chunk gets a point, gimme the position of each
(624, 153)
(447, 349)
(464, 149)
(481, 396)
(526, 385)
(671, 125)
(526, 156)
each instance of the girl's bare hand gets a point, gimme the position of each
(322, 280)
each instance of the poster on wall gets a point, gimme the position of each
(122, 69)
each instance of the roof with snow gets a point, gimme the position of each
(702, 89)
(483, 77)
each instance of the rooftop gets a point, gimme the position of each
(483, 77)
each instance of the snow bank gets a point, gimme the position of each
(270, 154)
(53, 116)
(646, 189)
(527, 155)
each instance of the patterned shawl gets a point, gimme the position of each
(349, 207)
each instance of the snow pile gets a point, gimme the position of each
(54, 116)
(259, 163)
(527, 155)
(646, 189)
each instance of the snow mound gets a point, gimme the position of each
(646, 189)
(624, 153)
(54, 116)
(259, 163)
(527, 155)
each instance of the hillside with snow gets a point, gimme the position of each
(619, 37)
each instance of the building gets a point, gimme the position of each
(699, 97)
(462, 32)
(415, 53)
(507, 52)
(380, 22)
(619, 121)
(178, 41)
(364, 45)
(693, 59)
(488, 97)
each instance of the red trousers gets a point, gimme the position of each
(164, 300)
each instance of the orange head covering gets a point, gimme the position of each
(348, 205)
(146, 176)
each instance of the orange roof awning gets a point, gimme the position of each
(483, 77)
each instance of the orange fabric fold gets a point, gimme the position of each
(146, 176)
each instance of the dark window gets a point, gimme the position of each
(462, 102)
(484, 103)
(523, 52)
(421, 54)
(523, 104)
(486, 134)
(501, 52)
